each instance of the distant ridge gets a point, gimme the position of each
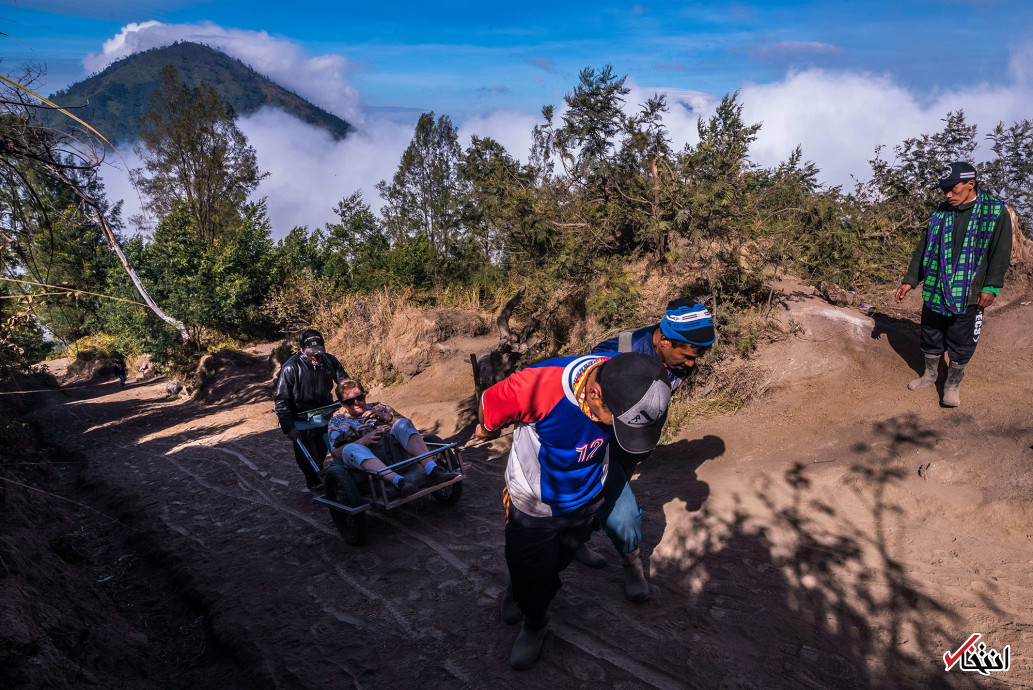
(120, 95)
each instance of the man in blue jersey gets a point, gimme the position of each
(566, 411)
(685, 334)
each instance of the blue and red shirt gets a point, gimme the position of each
(559, 457)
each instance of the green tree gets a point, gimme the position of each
(900, 193)
(194, 154)
(718, 174)
(1010, 173)
(593, 119)
(494, 208)
(356, 246)
(298, 253)
(54, 213)
(214, 290)
(646, 180)
(425, 195)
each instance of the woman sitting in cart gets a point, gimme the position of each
(358, 431)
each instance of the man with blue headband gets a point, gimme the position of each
(685, 334)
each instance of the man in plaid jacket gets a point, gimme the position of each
(960, 264)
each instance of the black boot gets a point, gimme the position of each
(952, 386)
(587, 556)
(932, 366)
(511, 613)
(528, 645)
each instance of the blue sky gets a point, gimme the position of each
(471, 57)
(837, 77)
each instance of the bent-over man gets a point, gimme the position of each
(565, 410)
(685, 334)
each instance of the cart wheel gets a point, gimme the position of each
(451, 494)
(340, 487)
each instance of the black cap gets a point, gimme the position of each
(310, 337)
(636, 389)
(955, 173)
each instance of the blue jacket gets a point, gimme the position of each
(641, 341)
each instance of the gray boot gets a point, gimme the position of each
(952, 386)
(587, 556)
(635, 586)
(528, 646)
(932, 367)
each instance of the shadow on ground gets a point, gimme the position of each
(786, 589)
(903, 337)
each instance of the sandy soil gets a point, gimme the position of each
(841, 531)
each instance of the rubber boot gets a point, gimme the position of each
(635, 586)
(511, 613)
(528, 646)
(589, 557)
(952, 386)
(932, 366)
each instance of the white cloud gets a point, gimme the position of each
(839, 118)
(321, 79)
(789, 49)
(308, 171)
(509, 128)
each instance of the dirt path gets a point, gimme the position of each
(840, 532)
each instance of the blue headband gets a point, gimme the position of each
(694, 325)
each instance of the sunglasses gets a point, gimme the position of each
(352, 401)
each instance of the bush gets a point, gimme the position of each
(92, 348)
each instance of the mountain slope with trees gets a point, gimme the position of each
(117, 98)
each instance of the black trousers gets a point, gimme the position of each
(538, 549)
(313, 440)
(957, 334)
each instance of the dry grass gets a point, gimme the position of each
(720, 386)
(685, 409)
(383, 336)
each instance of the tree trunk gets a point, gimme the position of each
(99, 216)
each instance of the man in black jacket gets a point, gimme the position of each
(960, 263)
(307, 381)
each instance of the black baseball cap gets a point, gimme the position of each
(955, 173)
(310, 337)
(636, 389)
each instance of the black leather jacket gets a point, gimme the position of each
(303, 387)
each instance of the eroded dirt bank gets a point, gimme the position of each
(81, 604)
(840, 532)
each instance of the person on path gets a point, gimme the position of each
(566, 411)
(685, 334)
(121, 370)
(960, 264)
(307, 382)
(360, 430)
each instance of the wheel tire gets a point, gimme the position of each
(451, 494)
(341, 488)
